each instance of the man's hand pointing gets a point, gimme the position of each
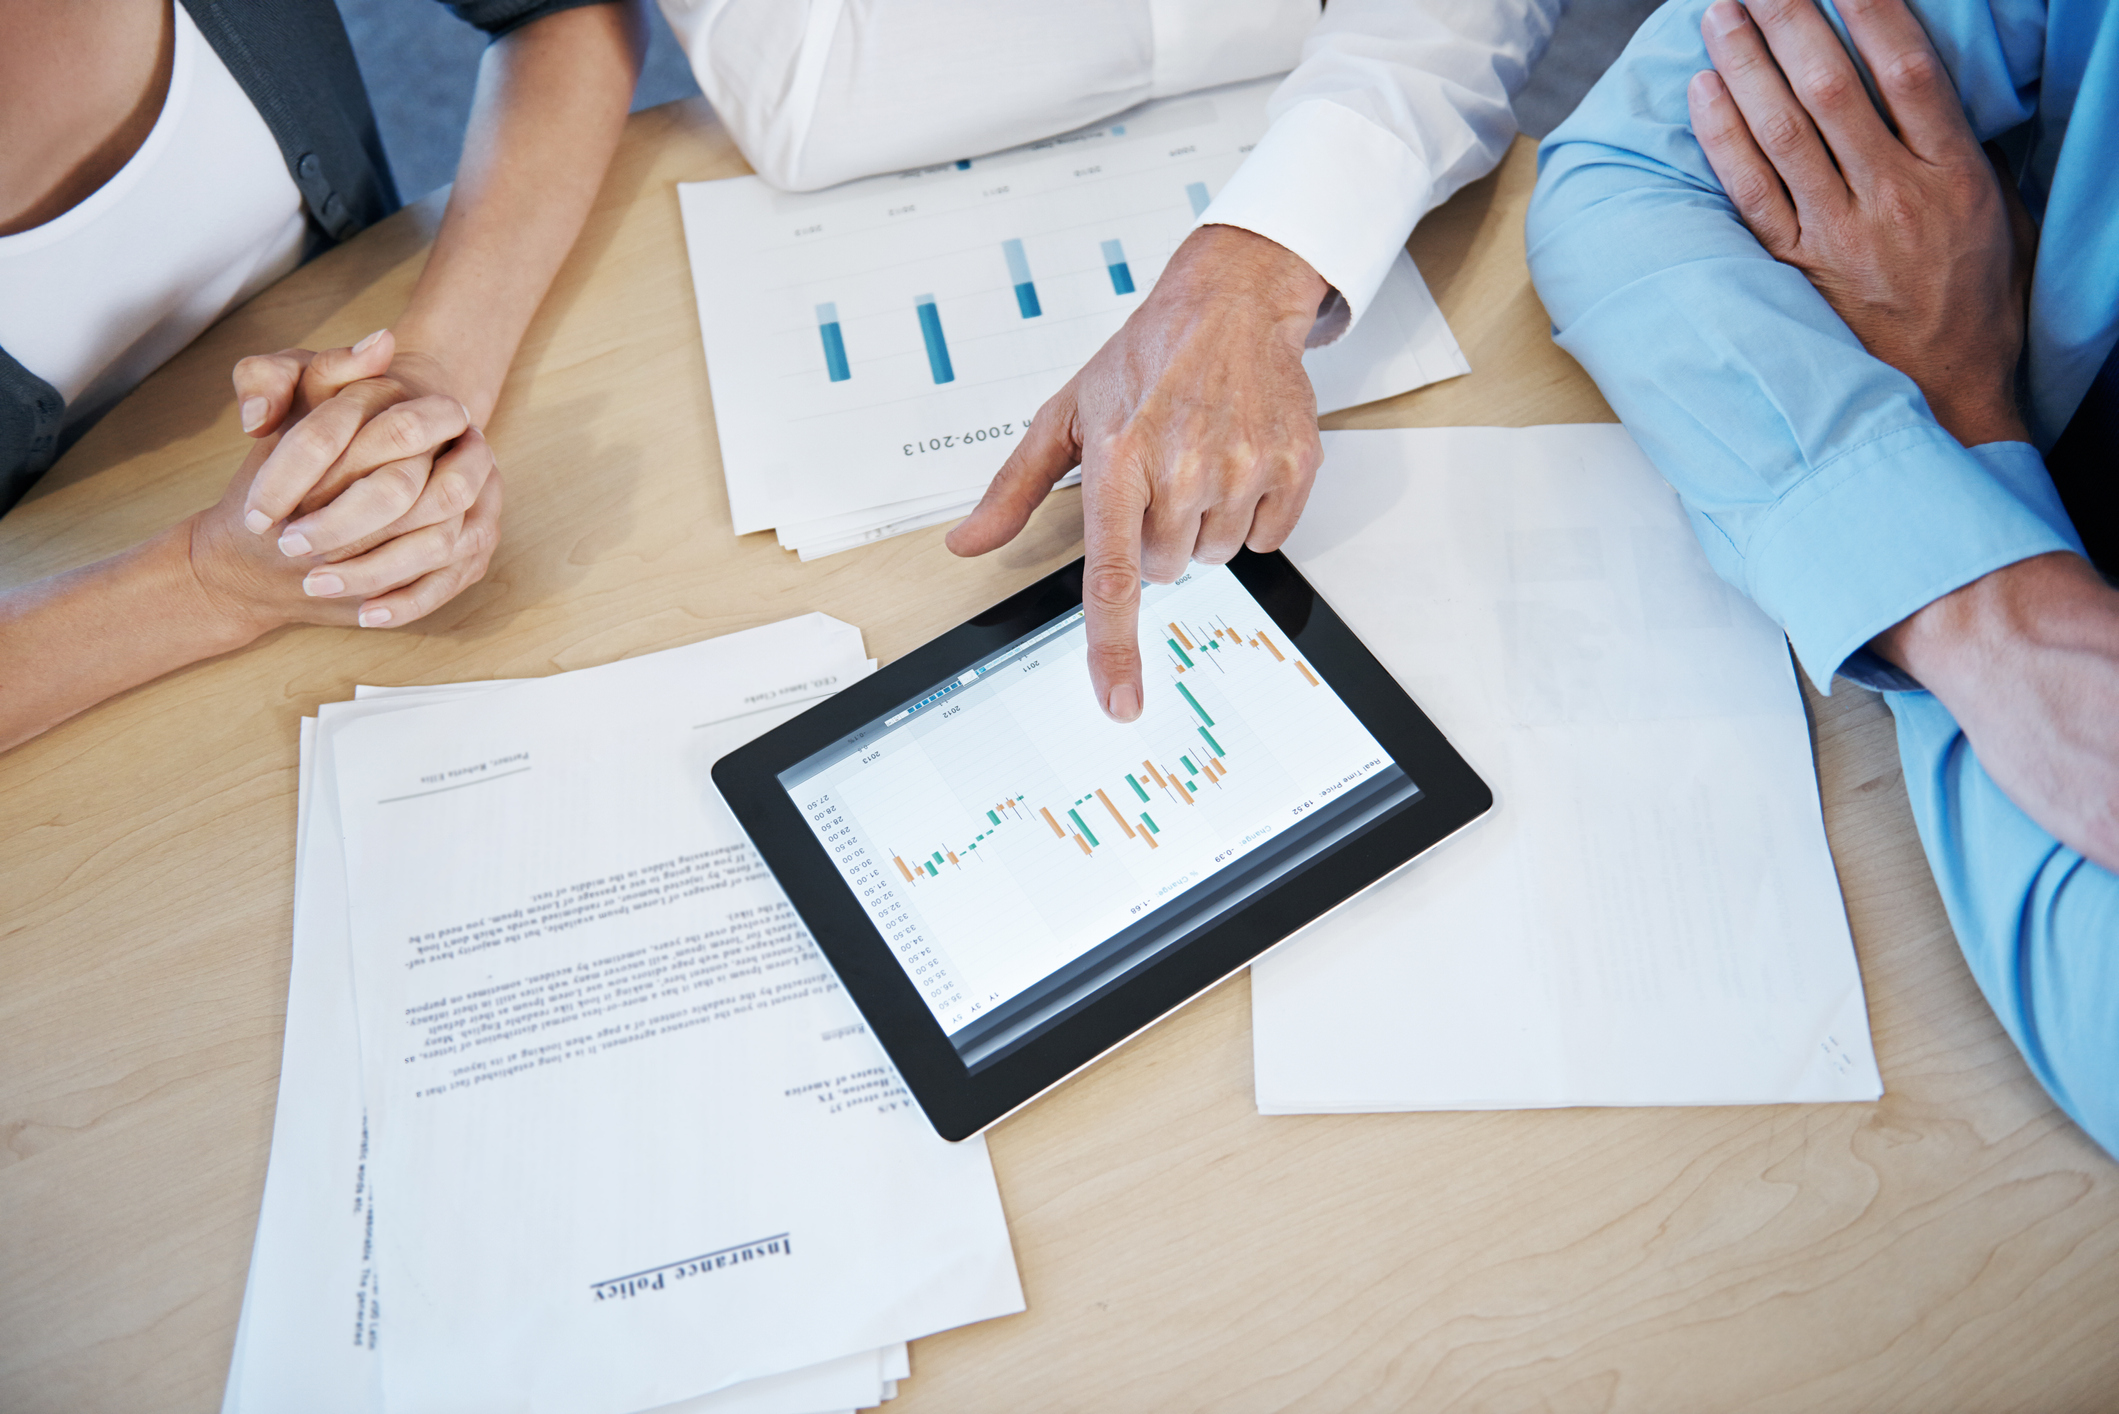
(1196, 432)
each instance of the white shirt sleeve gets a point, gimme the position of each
(1395, 105)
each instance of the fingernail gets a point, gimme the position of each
(364, 345)
(293, 544)
(254, 410)
(322, 586)
(1125, 702)
(1727, 16)
(374, 618)
(257, 522)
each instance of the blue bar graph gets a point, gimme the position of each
(1115, 262)
(1019, 272)
(1198, 192)
(834, 343)
(937, 346)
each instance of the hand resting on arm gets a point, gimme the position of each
(1904, 228)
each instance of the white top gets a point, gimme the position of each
(202, 218)
(1392, 105)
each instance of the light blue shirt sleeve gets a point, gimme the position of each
(1815, 475)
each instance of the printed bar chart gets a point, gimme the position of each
(937, 346)
(834, 343)
(1019, 275)
(1197, 191)
(1115, 266)
(833, 437)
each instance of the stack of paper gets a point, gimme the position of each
(1650, 915)
(572, 1115)
(876, 350)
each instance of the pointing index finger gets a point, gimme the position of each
(1114, 506)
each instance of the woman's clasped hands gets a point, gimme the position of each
(371, 497)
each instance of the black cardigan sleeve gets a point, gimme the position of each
(295, 63)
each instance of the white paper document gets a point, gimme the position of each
(311, 1317)
(1650, 915)
(876, 350)
(751, 1094)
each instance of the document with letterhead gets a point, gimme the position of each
(313, 1329)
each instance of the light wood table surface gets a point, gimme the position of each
(1955, 1246)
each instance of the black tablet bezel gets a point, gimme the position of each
(960, 1102)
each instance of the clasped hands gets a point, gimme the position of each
(1899, 220)
(370, 496)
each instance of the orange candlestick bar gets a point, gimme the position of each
(901, 868)
(1269, 647)
(951, 854)
(1046, 811)
(1188, 643)
(1149, 767)
(1221, 765)
(1212, 774)
(1307, 673)
(1181, 789)
(1114, 812)
(1151, 841)
(1083, 843)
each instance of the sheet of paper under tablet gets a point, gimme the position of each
(310, 1264)
(654, 1026)
(1650, 915)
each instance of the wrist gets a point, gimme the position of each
(425, 363)
(1229, 263)
(2055, 600)
(1979, 419)
(215, 615)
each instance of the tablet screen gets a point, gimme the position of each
(1021, 853)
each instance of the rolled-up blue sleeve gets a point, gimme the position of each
(1815, 475)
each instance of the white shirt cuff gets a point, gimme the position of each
(1337, 190)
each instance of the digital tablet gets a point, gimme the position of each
(1010, 884)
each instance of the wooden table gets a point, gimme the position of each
(1952, 1247)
